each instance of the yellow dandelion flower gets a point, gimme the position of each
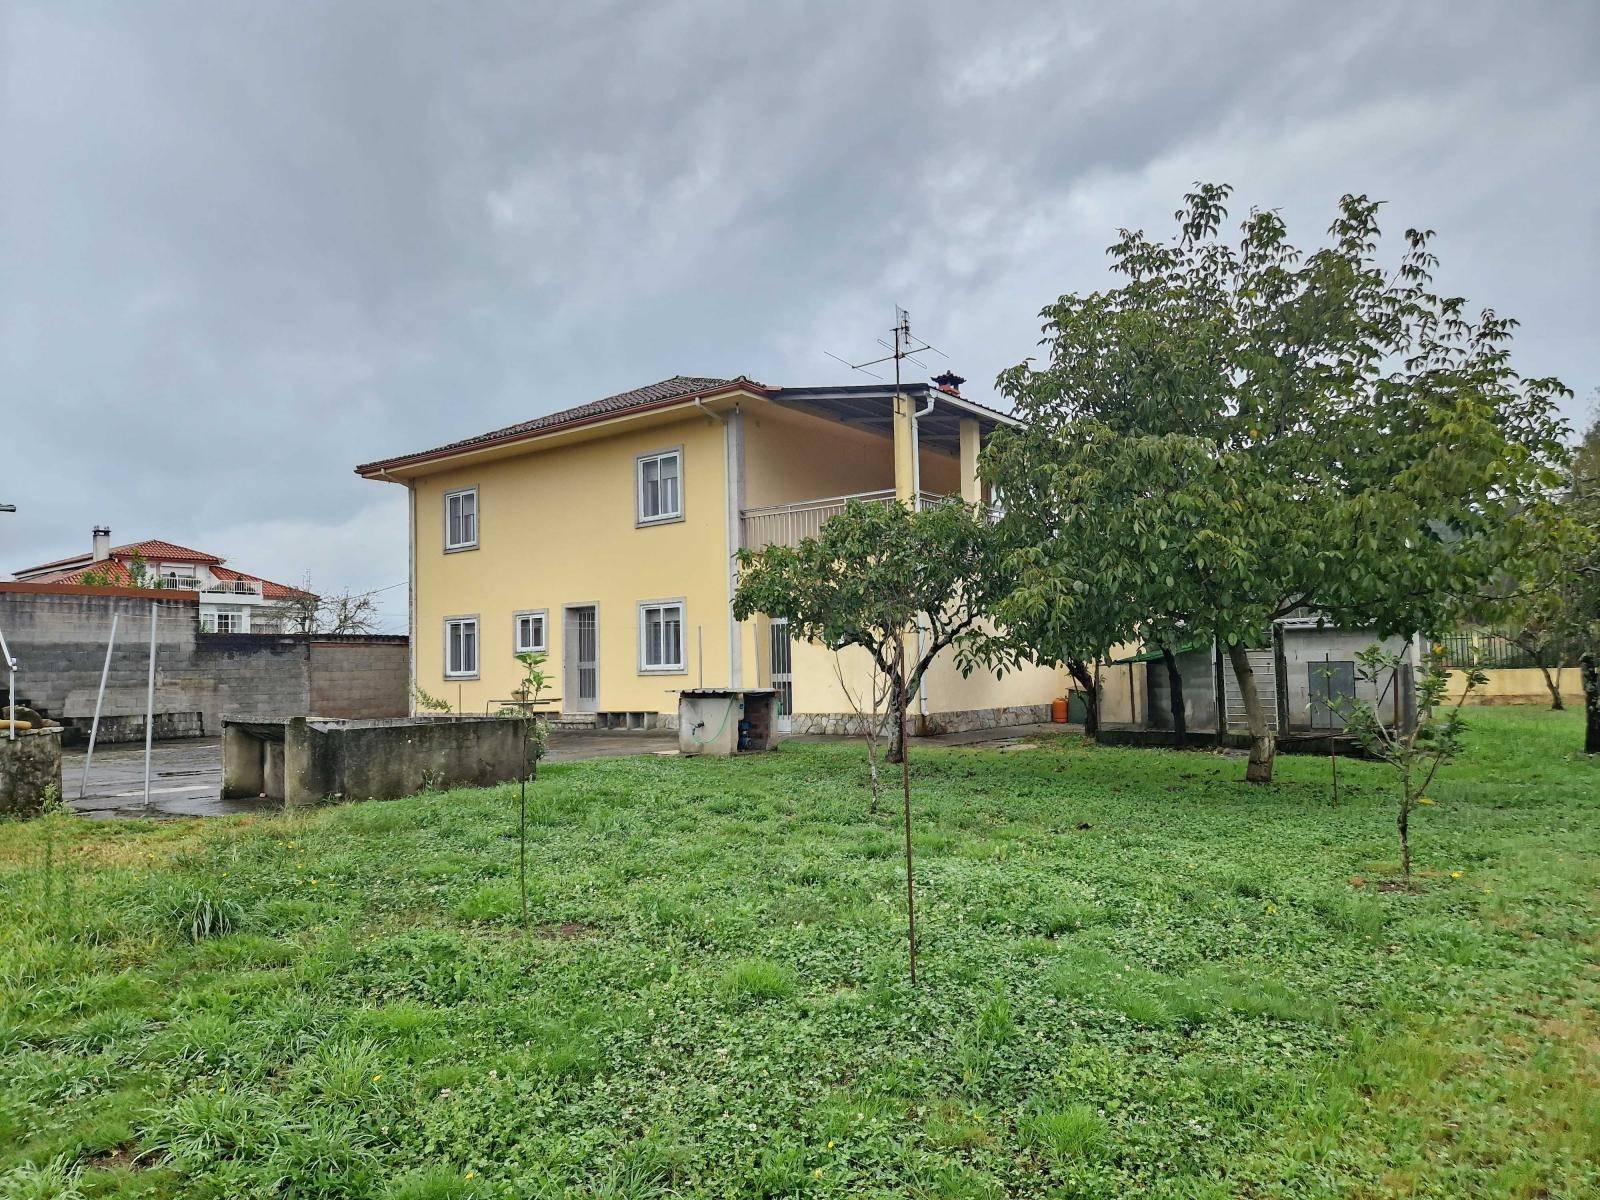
(1455, 874)
(1272, 908)
(817, 1174)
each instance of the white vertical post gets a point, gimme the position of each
(94, 728)
(11, 671)
(150, 702)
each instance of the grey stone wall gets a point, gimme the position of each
(30, 764)
(955, 721)
(59, 640)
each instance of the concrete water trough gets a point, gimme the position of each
(306, 760)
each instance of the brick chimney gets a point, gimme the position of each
(102, 543)
(949, 382)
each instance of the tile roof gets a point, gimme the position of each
(152, 549)
(115, 570)
(679, 387)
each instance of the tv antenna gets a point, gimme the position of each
(904, 346)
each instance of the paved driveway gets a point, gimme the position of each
(186, 775)
(185, 781)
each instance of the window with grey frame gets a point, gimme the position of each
(661, 637)
(660, 487)
(461, 647)
(461, 519)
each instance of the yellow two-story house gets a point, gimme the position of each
(605, 535)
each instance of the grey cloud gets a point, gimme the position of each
(245, 246)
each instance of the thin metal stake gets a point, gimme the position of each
(150, 702)
(94, 728)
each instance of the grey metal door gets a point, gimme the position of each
(581, 650)
(1330, 684)
(782, 671)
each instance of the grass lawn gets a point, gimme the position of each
(1141, 976)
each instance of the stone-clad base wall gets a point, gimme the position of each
(855, 724)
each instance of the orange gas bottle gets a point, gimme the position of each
(1058, 710)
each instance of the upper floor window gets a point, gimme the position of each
(461, 519)
(661, 487)
(461, 648)
(530, 632)
(661, 636)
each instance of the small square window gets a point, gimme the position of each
(461, 648)
(528, 633)
(661, 487)
(661, 636)
(461, 519)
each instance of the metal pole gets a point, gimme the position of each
(150, 702)
(100, 696)
(11, 670)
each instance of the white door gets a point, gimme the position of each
(782, 671)
(580, 654)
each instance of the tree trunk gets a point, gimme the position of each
(900, 700)
(1556, 703)
(1084, 678)
(1405, 839)
(1261, 747)
(1180, 724)
(1591, 703)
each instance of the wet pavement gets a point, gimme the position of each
(185, 781)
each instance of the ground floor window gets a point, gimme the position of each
(461, 647)
(530, 632)
(661, 636)
(223, 620)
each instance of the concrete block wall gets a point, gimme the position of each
(366, 678)
(59, 639)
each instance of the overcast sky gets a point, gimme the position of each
(244, 246)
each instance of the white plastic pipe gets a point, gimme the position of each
(150, 702)
(99, 698)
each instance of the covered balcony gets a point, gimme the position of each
(786, 524)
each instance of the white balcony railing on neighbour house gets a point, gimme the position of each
(786, 524)
(233, 587)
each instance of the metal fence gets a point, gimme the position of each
(1494, 648)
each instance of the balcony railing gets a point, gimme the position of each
(786, 524)
(234, 587)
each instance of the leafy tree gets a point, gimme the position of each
(1241, 431)
(1582, 614)
(874, 576)
(884, 577)
(1418, 752)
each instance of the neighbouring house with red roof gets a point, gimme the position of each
(230, 601)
